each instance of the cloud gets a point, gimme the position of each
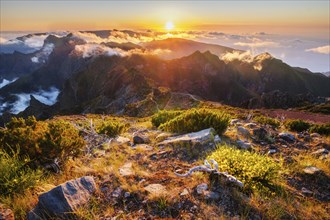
(323, 50)
(43, 55)
(47, 97)
(257, 43)
(89, 50)
(6, 82)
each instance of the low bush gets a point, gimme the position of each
(164, 116)
(297, 125)
(110, 128)
(267, 121)
(42, 142)
(197, 119)
(323, 129)
(254, 170)
(15, 175)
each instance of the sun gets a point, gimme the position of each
(169, 26)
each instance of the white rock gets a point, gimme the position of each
(126, 170)
(201, 188)
(155, 189)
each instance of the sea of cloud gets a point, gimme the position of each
(47, 97)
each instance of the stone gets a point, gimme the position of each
(138, 140)
(201, 188)
(64, 199)
(209, 195)
(184, 192)
(311, 170)
(156, 189)
(306, 192)
(250, 125)
(315, 135)
(6, 213)
(260, 133)
(163, 136)
(287, 137)
(243, 131)
(126, 170)
(244, 144)
(234, 121)
(192, 144)
(217, 139)
(272, 151)
(117, 193)
(122, 140)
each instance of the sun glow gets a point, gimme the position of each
(169, 26)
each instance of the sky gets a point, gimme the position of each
(296, 31)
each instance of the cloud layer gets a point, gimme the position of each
(324, 49)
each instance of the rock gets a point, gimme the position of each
(156, 189)
(250, 125)
(201, 188)
(287, 137)
(6, 213)
(234, 121)
(260, 133)
(311, 170)
(184, 192)
(64, 199)
(244, 145)
(315, 135)
(117, 193)
(126, 170)
(272, 151)
(243, 131)
(138, 139)
(209, 195)
(163, 136)
(217, 139)
(306, 192)
(192, 145)
(122, 140)
(320, 152)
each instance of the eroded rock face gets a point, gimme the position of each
(64, 199)
(192, 145)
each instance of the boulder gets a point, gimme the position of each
(63, 200)
(243, 131)
(192, 145)
(260, 133)
(126, 169)
(244, 145)
(287, 137)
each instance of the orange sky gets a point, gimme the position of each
(292, 17)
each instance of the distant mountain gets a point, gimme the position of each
(326, 74)
(127, 78)
(182, 47)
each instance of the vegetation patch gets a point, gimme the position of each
(267, 121)
(15, 175)
(254, 170)
(111, 128)
(164, 116)
(323, 129)
(42, 142)
(197, 119)
(297, 125)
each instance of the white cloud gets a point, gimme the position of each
(324, 49)
(257, 43)
(89, 50)
(42, 56)
(6, 82)
(47, 97)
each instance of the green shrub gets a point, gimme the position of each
(297, 125)
(15, 175)
(41, 141)
(323, 129)
(110, 128)
(254, 170)
(164, 116)
(197, 119)
(267, 121)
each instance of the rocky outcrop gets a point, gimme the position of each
(192, 145)
(63, 200)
